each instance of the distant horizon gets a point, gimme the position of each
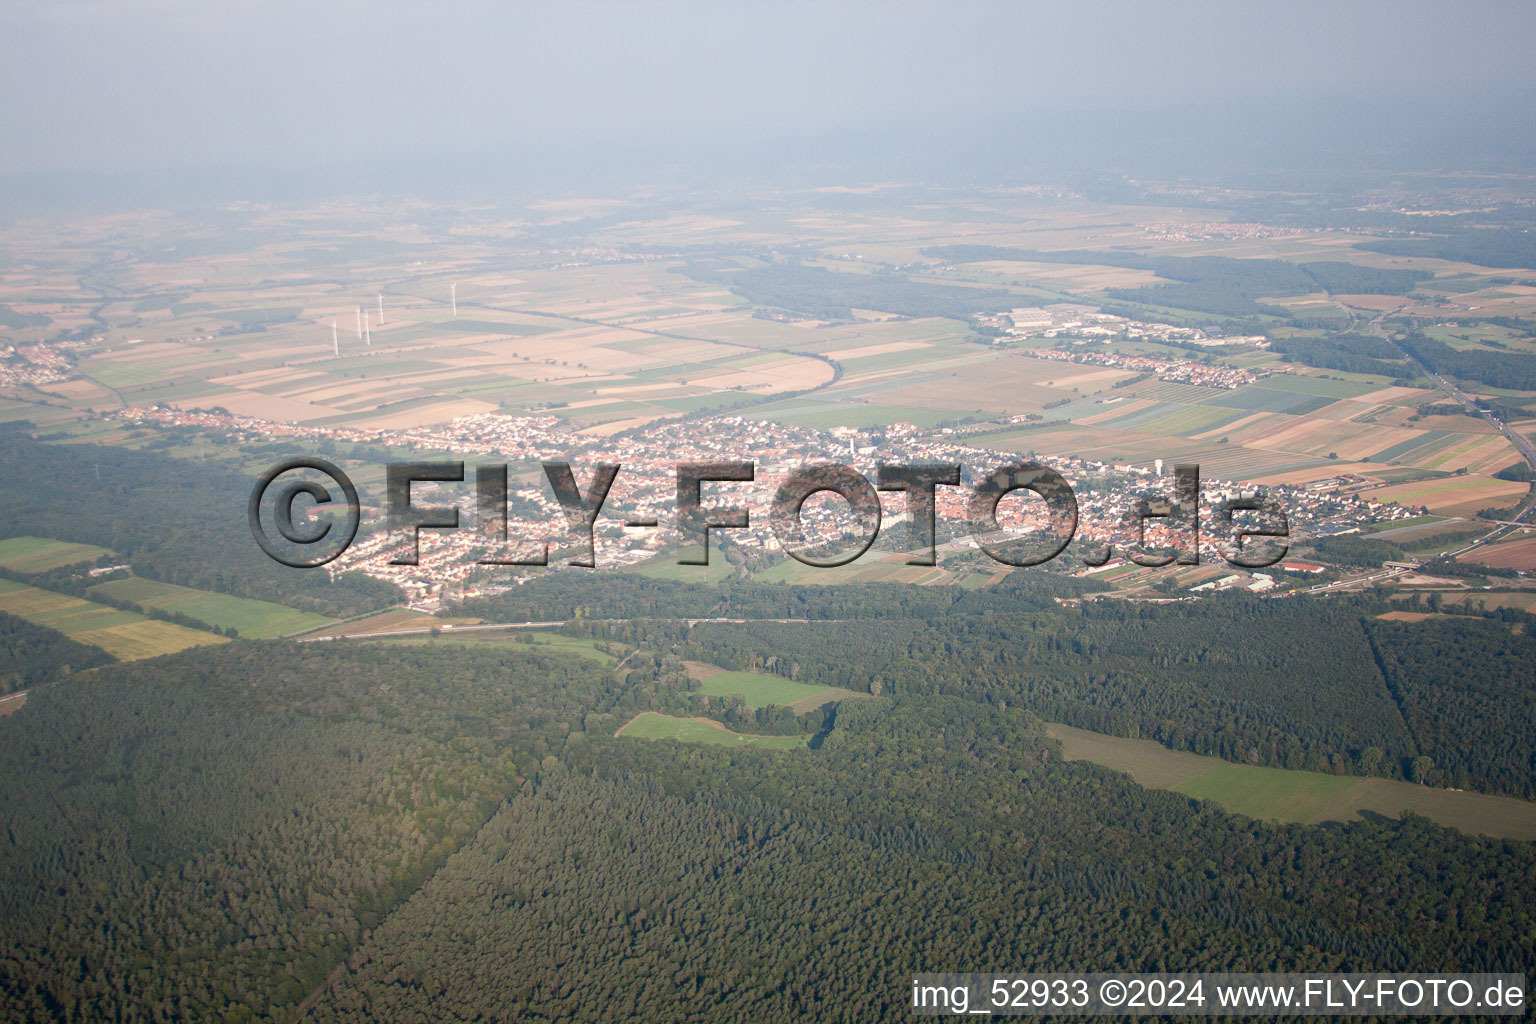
(1269, 144)
(111, 88)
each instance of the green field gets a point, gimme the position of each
(1190, 420)
(760, 690)
(652, 725)
(1326, 388)
(40, 554)
(40, 415)
(667, 568)
(1261, 792)
(126, 636)
(114, 374)
(1295, 796)
(258, 620)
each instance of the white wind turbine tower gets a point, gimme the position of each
(335, 344)
(381, 309)
(453, 296)
(367, 333)
(359, 323)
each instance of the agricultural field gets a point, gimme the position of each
(145, 638)
(1514, 554)
(126, 636)
(1454, 495)
(1406, 616)
(652, 725)
(1296, 796)
(604, 347)
(1288, 428)
(1263, 792)
(759, 690)
(667, 567)
(871, 567)
(258, 620)
(40, 554)
(1329, 387)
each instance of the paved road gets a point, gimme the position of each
(1357, 580)
(446, 627)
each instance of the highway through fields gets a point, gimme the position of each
(1521, 443)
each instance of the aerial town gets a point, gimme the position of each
(449, 561)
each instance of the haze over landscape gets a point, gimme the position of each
(349, 92)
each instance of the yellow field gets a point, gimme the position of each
(126, 636)
(146, 639)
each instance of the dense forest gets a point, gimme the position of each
(1209, 284)
(30, 654)
(173, 520)
(1365, 552)
(203, 836)
(454, 833)
(1464, 687)
(651, 882)
(1202, 683)
(1340, 278)
(1351, 353)
(1198, 677)
(1195, 677)
(1515, 370)
(833, 295)
(1487, 247)
(574, 594)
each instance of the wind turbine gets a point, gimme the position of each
(335, 344)
(359, 323)
(453, 296)
(367, 333)
(381, 309)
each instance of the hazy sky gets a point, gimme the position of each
(113, 85)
